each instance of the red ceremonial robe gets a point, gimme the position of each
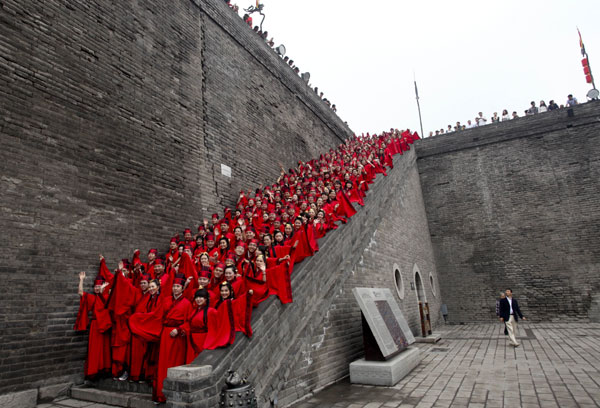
(253, 280)
(232, 316)
(345, 208)
(302, 248)
(201, 321)
(138, 345)
(312, 236)
(277, 252)
(146, 326)
(172, 349)
(98, 354)
(122, 300)
(279, 282)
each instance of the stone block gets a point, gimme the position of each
(104, 397)
(432, 338)
(21, 399)
(386, 373)
(49, 392)
(141, 401)
(189, 372)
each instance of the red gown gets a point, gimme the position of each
(345, 208)
(98, 356)
(172, 351)
(279, 282)
(139, 346)
(201, 321)
(253, 280)
(302, 248)
(122, 300)
(146, 325)
(232, 316)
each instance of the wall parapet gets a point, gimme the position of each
(526, 126)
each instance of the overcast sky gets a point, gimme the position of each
(468, 56)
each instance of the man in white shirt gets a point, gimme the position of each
(481, 120)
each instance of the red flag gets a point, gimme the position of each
(581, 43)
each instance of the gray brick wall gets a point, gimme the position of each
(114, 120)
(401, 240)
(516, 205)
(303, 346)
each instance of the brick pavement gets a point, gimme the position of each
(557, 365)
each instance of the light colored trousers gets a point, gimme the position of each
(511, 326)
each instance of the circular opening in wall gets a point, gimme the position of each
(399, 282)
(432, 284)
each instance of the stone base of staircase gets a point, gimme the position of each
(115, 397)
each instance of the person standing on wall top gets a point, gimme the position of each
(532, 110)
(509, 314)
(571, 101)
(481, 120)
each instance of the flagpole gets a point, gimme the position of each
(419, 108)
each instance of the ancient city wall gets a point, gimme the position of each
(303, 346)
(115, 120)
(517, 204)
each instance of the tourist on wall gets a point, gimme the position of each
(481, 120)
(505, 115)
(495, 118)
(542, 107)
(552, 105)
(532, 109)
(571, 100)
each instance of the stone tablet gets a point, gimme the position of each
(385, 319)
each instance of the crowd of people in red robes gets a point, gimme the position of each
(150, 315)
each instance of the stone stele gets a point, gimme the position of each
(390, 330)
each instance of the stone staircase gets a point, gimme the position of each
(117, 393)
(281, 332)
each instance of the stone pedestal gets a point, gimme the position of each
(432, 338)
(386, 373)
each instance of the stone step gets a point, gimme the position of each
(123, 386)
(111, 397)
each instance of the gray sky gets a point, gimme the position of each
(468, 56)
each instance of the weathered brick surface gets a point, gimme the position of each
(303, 346)
(400, 241)
(114, 119)
(517, 205)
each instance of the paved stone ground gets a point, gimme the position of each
(557, 365)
